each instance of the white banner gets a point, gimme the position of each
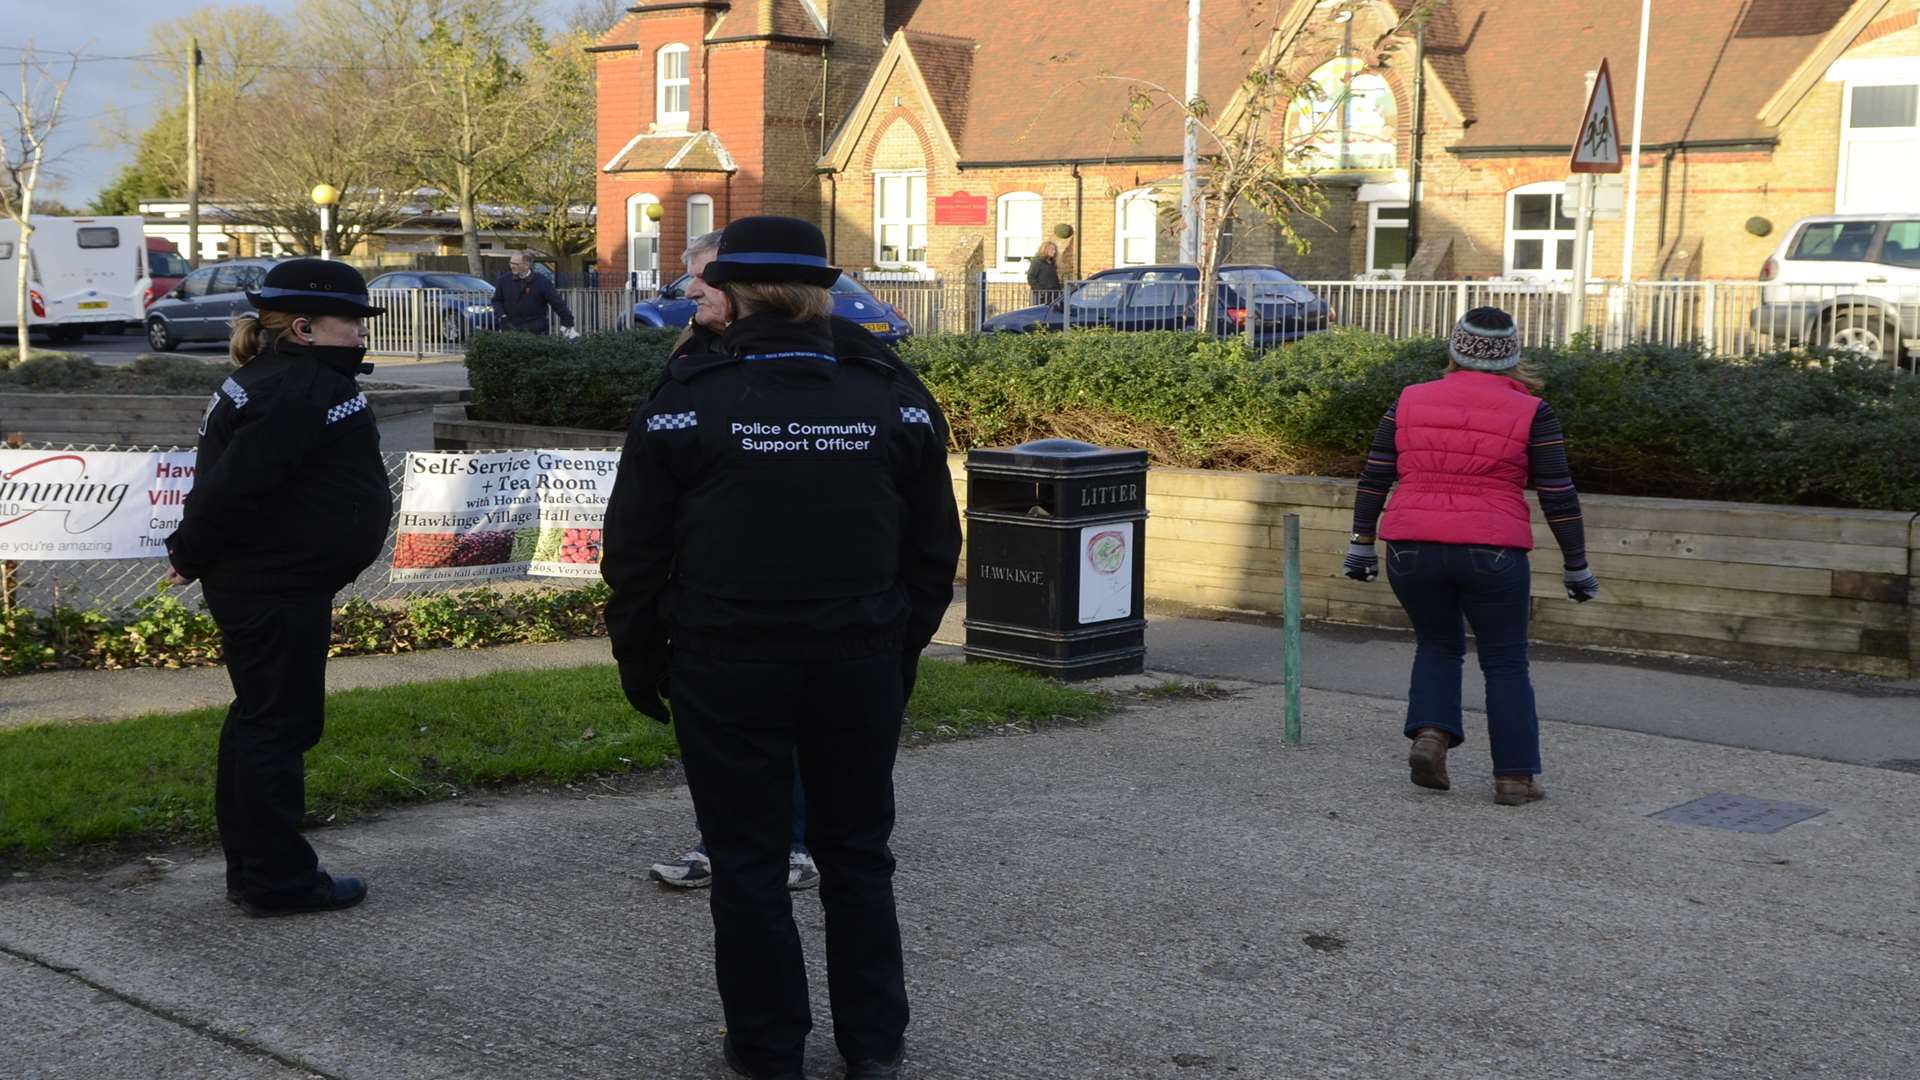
(73, 504)
(479, 517)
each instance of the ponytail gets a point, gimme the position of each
(254, 332)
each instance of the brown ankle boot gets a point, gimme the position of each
(1428, 759)
(1515, 790)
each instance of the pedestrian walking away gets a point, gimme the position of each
(1463, 449)
(522, 298)
(290, 503)
(1043, 273)
(781, 543)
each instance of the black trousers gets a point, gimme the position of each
(740, 725)
(276, 649)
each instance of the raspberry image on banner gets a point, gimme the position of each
(580, 546)
(423, 550)
(483, 548)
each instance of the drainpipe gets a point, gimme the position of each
(1666, 175)
(833, 214)
(1419, 140)
(1079, 206)
(823, 102)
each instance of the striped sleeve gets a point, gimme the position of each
(1382, 469)
(1553, 484)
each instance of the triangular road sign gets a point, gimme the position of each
(1597, 148)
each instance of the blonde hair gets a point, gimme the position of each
(795, 301)
(1047, 248)
(1523, 373)
(253, 334)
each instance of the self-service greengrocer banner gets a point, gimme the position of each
(92, 504)
(477, 517)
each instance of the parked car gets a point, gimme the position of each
(86, 274)
(1278, 308)
(166, 268)
(205, 303)
(851, 301)
(1851, 281)
(459, 304)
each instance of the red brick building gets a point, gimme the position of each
(987, 123)
(716, 109)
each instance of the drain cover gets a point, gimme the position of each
(1739, 813)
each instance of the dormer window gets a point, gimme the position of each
(674, 93)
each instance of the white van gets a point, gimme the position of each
(86, 273)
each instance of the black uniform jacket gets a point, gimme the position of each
(781, 499)
(289, 492)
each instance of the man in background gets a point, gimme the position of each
(522, 298)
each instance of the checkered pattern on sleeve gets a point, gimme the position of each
(911, 414)
(235, 393)
(346, 408)
(673, 421)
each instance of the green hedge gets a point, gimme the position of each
(594, 382)
(71, 373)
(1646, 420)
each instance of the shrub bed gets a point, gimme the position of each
(1646, 420)
(71, 373)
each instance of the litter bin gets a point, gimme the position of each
(1056, 566)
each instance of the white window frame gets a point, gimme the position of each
(699, 201)
(663, 116)
(1016, 248)
(907, 221)
(1849, 136)
(1374, 225)
(1123, 233)
(1550, 237)
(648, 229)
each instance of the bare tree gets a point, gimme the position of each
(552, 191)
(1252, 162)
(34, 117)
(596, 17)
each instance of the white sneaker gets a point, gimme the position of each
(690, 871)
(801, 873)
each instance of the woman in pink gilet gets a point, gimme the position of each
(1463, 449)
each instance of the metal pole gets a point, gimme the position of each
(193, 151)
(1633, 163)
(1190, 154)
(326, 232)
(1582, 243)
(1293, 628)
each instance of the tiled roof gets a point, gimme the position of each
(786, 18)
(1711, 65)
(677, 151)
(1049, 81)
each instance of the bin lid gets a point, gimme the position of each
(1061, 457)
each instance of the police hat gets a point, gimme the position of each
(314, 287)
(772, 249)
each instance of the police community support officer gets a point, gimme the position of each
(289, 503)
(784, 520)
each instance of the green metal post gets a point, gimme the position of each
(1293, 628)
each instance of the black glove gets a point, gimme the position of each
(646, 688)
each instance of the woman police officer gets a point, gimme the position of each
(784, 520)
(290, 503)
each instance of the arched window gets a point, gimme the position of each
(673, 95)
(1136, 229)
(643, 242)
(699, 216)
(1540, 231)
(1345, 118)
(1020, 230)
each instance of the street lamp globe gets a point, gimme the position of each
(325, 195)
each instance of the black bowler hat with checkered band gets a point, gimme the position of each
(314, 287)
(770, 249)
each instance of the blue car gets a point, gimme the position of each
(1278, 308)
(461, 303)
(851, 301)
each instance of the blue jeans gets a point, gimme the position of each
(798, 841)
(1444, 588)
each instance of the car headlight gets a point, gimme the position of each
(478, 309)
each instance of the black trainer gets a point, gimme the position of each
(740, 1067)
(327, 894)
(877, 1070)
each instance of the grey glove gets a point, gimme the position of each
(1581, 585)
(1363, 563)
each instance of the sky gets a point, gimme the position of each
(103, 91)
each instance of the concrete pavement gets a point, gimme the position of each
(1170, 893)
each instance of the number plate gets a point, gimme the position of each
(92, 305)
(877, 327)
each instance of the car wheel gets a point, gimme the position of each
(1865, 333)
(159, 337)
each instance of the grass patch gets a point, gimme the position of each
(1182, 690)
(68, 788)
